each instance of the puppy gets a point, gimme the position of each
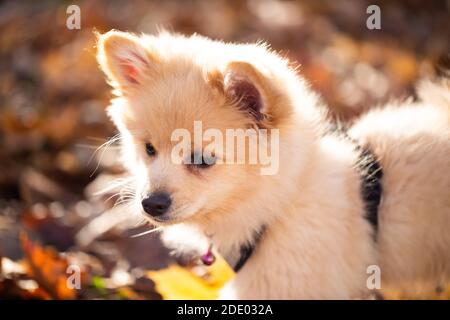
(342, 208)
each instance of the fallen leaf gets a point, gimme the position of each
(48, 268)
(178, 283)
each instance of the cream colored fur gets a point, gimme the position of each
(318, 245)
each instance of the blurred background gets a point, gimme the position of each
(52, 119)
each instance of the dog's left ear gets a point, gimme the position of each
(124, 59)
(248, 88)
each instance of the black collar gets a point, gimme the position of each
(247, 249)
(371, 174)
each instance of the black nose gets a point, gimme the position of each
(156, 204)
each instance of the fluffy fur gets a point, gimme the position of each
(318, 245)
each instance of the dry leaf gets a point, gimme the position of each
(177, 283)
(48, 269)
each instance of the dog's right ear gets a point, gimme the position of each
(124, 59)
(248, 89)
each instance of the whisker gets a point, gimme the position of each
(103, 147)
(115, 184)
(88, 146)
(146, 232)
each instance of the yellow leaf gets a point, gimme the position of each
(178, 283)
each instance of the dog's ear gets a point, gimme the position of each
(248, 88)
(124, 59)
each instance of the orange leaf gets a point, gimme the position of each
(48, 268)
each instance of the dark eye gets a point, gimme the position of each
(202, 162)
(150, 149)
